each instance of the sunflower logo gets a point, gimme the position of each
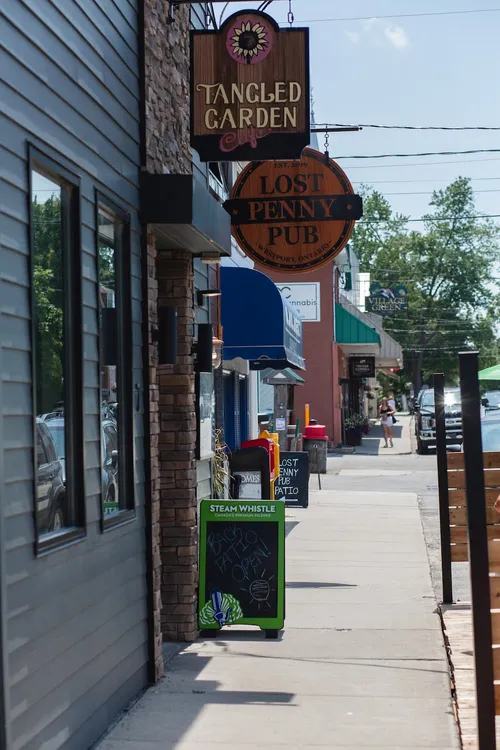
(249, 41)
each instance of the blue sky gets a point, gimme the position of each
(428, 70)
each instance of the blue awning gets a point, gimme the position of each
(258, 323)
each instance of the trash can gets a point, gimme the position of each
(317, 447)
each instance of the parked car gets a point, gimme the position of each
(50, 487)
(109, 437)
(425, 421)
(490, 431)
(491, 400)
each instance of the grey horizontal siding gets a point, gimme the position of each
(204, 479)
(76, 618)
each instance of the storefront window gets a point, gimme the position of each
(56, 330)
(115, 364)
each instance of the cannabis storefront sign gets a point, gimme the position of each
(250, 90)
(242, 564)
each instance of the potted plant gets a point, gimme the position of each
(354, 429)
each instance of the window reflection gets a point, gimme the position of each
(53, 514)
(110, 246)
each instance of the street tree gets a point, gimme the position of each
(446, 267)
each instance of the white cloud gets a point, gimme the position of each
(370, 24)
(353, 36)
(374, 32)
(397, 36)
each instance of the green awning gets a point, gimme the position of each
(350, 330)
(491, 373)
(294, 375)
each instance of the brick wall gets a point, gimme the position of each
(172, 406)
(154, 426)
(177, 457)
(319, 390)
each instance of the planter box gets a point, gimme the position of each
(353, 436)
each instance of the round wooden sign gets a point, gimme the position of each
(295, 215)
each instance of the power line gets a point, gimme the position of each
(411, 182)
(408, 127)
(403, 15)
(431, 218)
(421, 163)
(430, 192)
(423, 153)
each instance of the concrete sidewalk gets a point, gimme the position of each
(361, 663)
(373, 443)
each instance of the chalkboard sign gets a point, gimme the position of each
(292, 485)
(242, 553)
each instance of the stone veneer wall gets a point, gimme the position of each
(172, 407)
(167, 88)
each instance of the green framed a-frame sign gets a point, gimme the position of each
(242, 564)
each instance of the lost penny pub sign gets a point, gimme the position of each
(293, 216)
(250, 94)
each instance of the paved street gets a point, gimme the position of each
(361, 663)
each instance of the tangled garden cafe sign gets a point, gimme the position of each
(250, 90)
(293, 215)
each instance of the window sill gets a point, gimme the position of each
(118, 519)
(56, 542)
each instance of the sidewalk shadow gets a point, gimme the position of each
(171, 708)
(373, 443)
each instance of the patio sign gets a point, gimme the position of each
(242, 564)
(293, 216)
(387, 300)
(250, 95)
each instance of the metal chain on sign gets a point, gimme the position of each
(327, 142)
(291, 17)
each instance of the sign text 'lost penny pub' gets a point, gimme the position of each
(293, 215)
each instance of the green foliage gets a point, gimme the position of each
(106, 267)
(446, 268)
(355, 420)
(49, 297)
(220, 473)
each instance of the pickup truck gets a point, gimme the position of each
(425, 419)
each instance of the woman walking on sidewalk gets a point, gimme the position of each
(386, 413)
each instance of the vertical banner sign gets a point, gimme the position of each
(250, 95)
(242, 564)
(293, 216)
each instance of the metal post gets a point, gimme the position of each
(478, 549)
(317, 468)
(281, 414)
(444, 507)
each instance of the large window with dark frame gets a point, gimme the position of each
(56, 353)
(115, 332)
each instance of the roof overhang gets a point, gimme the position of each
(182, 214)
(360, 349)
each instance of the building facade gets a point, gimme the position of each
(110, 230)
(74, 617)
